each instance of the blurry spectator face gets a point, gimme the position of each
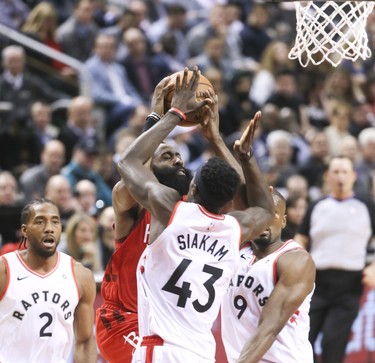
(340, 117)
(58, 190)
(258, 17)
(215, 48)
(139, 9)
(135, 42)
(349, 147)
(14, 61)
(84, 233)
(177, 21)
(280, 53)
(106, 222)
(8, 189)
(84, 12)
(86, 194)
(41, 115)
(286, 85)
(297, 185)
(281, 152)
(53, 156)
(80, 112)
(319, 145)
(217, 16)
(105, 47)
(296, 212)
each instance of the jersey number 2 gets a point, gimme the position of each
(43, 332)
(184, 291)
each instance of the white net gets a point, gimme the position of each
(331, 31)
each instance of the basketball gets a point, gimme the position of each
(203, 85)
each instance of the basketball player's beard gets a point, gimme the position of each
(170, 177)
(263, 242)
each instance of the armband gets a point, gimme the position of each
(177, 112)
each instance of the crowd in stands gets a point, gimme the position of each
(68, 154)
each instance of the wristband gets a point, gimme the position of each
(178, 113)
(246, 156)
(155, 116)
(150, 121)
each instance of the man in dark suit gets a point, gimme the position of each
(110, 86)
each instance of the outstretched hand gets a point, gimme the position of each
(184, 97)
(242, 147)
(210, 124)
(161, 90)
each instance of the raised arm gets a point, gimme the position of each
(85, 348)
(210, 129)
(259, 212)
(296, 273)
(141, 182)
(126, 208)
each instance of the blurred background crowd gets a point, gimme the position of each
(76, 81)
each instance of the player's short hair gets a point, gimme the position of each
(217, 183)
(25, 213)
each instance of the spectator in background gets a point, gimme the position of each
(11, 204)
(77, 34)
(85, 192)
(144, 70)
(213, 56)
(58, 190)
(106, 234)
(33, 180)
(20, 88)
(339, 116)
(296, 206)
(124, 22)
(79, 126)
(362, 118)
(214, 24)
(111, 88)
(279, 165)
(296, 184)
(167, 50)
(274, 59)
(339, 85)
(175, 22)
(81, 234)
(239, 107)
(13, 13)
(41, 25)
(81, 167)
(315, 166)
(254, 36)
(40, 123)
(365, 166)
(286, 95)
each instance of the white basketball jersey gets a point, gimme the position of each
(248, 293)
(183, 276)
(36, 312)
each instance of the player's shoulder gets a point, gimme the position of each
(84, 276)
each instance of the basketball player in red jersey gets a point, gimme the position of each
(117, 318)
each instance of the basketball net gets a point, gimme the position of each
(331, 31)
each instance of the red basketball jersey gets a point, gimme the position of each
(119, 284)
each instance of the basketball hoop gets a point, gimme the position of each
(331, 31)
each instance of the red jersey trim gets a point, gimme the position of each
(7, 280)
(277, 257)
(209, 214)
(54, 268)
(75, 277)
(174, 212)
